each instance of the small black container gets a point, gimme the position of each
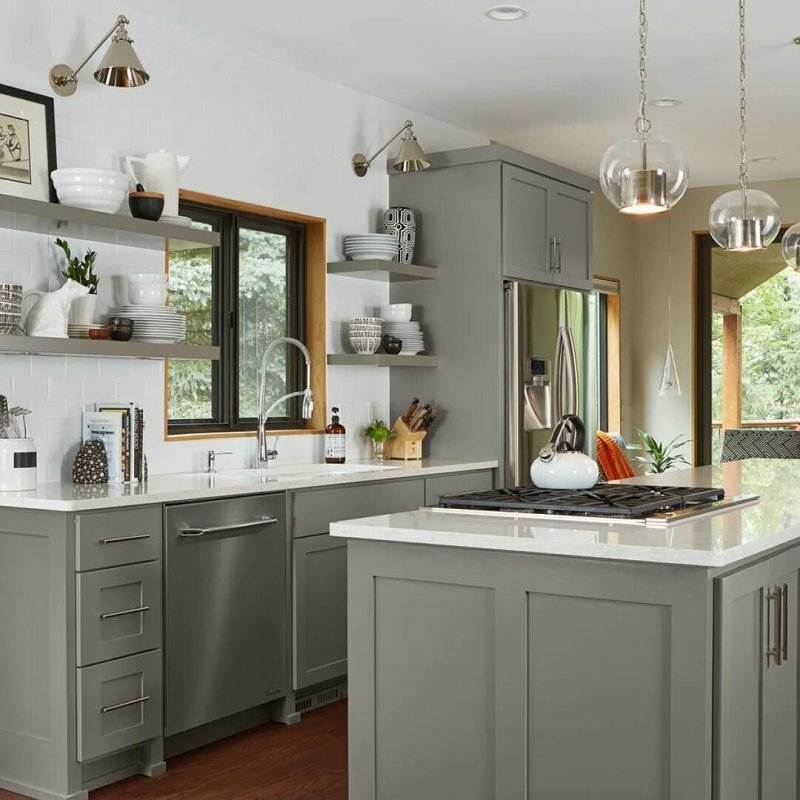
(392, 345)
(120, 328)
(146, 205)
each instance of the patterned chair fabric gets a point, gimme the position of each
(741, 443)
(611, 457)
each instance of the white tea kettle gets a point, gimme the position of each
(561, 464)
(161, 172)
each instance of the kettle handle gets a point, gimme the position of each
(129, 162)
(574, 424)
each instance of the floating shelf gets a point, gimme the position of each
(384, 271)
(35, 345)
(381, 360)
(56, 219)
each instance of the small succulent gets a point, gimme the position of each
(80, 271)
(379, 432)
(661, 456)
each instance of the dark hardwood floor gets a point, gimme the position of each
(302, 762)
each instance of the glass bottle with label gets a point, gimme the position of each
(335, 440)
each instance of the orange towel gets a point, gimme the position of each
(612, 460)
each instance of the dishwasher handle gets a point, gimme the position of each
(234, 526)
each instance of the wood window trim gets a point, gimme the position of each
(315, 288)
(613, 353)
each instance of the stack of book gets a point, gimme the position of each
(120, 427)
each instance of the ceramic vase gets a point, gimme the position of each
(81, 310)
(401, 222)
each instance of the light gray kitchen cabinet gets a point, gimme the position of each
(226, 608)
(111, 538)
(320, 610)
(570, 227)
(756, 726)
(459, 482)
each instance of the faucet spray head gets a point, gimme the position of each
(308, 405)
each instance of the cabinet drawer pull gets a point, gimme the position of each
(785, 620)
(558, 254)
(137, 701)
(112, 614)
(234, 526)
(775, 624)
(134, 538)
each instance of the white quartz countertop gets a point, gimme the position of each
(720, 540)
(226, 483)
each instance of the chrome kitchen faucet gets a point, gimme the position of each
(266, 454)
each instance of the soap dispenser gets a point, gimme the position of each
(335, 440)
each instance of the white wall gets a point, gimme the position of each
(256, 131)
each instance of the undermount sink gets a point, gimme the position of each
(272, 474)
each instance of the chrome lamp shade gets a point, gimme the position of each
(411, 157)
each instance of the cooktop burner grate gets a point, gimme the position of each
(604, 500)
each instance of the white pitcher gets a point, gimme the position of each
(49, 315)
(161, 172)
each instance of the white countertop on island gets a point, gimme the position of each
(715, 541)
(192, 486)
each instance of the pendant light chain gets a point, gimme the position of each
(643, 124)
(744, 178)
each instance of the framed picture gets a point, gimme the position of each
(27, 144)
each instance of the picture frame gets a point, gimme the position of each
(27, 144)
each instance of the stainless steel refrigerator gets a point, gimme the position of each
(552, 366)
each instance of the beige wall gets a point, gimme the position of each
(636, 252)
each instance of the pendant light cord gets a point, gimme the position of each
(669, 277)
(744, 178)
(643, 124)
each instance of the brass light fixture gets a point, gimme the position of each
(410, 158)
(120, 65)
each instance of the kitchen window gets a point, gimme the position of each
(607, 293)
(239, 296)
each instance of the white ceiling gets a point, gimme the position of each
(561, 84)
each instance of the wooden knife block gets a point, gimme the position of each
(406, 445)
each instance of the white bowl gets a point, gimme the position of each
(147, 295)
(397, 312)
(148, 278)
(97, 197)
(86, 176)
(365, 344)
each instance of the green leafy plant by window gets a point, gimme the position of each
(80, 270)
(662, 456)
(379, 432)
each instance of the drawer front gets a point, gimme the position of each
(119, 704)
(452, 484)
(118, 612)
(313, 511)
(113, 538)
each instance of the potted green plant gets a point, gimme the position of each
(379, 433)
(661, 456)
(81, 271)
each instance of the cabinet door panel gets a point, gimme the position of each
(320, 608)
(570, 215)
(526, 241)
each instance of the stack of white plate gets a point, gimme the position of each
(410, 333)
(179, 220)
(382, 246)
(81, 331)
(155, 324)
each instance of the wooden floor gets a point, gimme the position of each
(302, 762)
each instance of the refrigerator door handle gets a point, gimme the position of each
(513, 386)
(565, 374)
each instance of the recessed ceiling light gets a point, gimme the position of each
(507, 13)
(763, 160)
(796, 40)
(666, 102)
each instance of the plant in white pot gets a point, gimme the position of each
(661, 456)
(81, 271)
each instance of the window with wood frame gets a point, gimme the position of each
(610, 383)
(240, 296)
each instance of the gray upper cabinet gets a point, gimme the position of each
(546, 230)
(527, 248)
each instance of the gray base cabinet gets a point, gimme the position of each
(478, 674)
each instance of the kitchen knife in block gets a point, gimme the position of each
(406, 445)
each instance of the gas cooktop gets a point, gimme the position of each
(627, 502)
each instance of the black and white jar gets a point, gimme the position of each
(402, 223)
(17, 465)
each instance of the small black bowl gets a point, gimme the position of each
(392, 345)
(120, 328)
(146, 205)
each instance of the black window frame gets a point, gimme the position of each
(225, 320)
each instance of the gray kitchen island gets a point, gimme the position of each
(507, 657)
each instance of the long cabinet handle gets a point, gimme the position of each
(785, 620)
(552, 265)
(112, 614)
(558, 254)
(134, 538)
(235, 526)
(137, 701)
(775, 625)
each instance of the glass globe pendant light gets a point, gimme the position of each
(745, 219)
(790, 246)
(643, 175)
(669, 385)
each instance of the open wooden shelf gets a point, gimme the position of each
(55, 219)
(380, 360)
(384, 271)
(35, 345)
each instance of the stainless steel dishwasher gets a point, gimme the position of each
(225, 608)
